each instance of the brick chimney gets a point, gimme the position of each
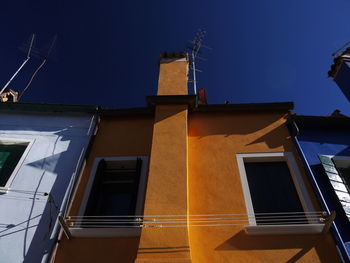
(173, 74)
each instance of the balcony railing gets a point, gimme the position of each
(262, 223)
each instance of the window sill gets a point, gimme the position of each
(302, 229)
(4, 190)
(105, 232)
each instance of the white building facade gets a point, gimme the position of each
(42, 151)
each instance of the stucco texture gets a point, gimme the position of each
(215, 188)
(167, 187)
(116, 136)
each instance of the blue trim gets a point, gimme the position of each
(340, 244)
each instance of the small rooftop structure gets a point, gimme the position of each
(340, 71)
(9, 95)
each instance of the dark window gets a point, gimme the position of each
(272, 191)
(10, 154)
(115, 188)
(345, 174)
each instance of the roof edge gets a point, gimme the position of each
(327, 122)
(143, 111)
(46, 107)
(273, 106)
(190, 100)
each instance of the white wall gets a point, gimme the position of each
(59, 139)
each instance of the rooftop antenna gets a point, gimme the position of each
(195, 47)
(22, 65)
(39, 67)
(336, 53)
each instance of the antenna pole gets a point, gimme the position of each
(196, 45)
(194, 73)
(39, 67)
(19, 69)
(336, 52)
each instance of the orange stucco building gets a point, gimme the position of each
(182, 182)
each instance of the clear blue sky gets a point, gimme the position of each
(107, 51)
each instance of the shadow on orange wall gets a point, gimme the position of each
(168, 111)
(202, 125)
(159, 250)
(321, 243)
(274, 138)
(122, 249)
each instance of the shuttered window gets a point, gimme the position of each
(10, 154)
(339, 177)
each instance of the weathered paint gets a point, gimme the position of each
(327, 141)
(116, 136)
(215, 188)
(59, 144)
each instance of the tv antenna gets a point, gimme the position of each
(21, 66)
(39, 67)
(195, 47)
(337, 52)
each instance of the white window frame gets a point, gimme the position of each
(29, 143)
(297, 180)
(112, 232)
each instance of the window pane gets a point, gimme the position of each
(115, 190)
(116, 196)
(272, 189)
(10, 154)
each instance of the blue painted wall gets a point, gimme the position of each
(27, 219)
(327, 141)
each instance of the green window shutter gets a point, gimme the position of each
(10, 154)
(3, 158)
(339, 185)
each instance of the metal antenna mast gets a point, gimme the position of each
(19, 69)
(195, 47)
(39, 67)
(336, 53)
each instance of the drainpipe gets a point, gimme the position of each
(68, 194)
(343, 253)
(56, 229)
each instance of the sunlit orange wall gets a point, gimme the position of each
(167, 187)
(215, 188)
(117, 136)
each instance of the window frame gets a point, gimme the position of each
(123, 231)
(272, 157)
(29, 143)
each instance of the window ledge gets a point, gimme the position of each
(4, 190)
(300, 229)
(105, 232)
